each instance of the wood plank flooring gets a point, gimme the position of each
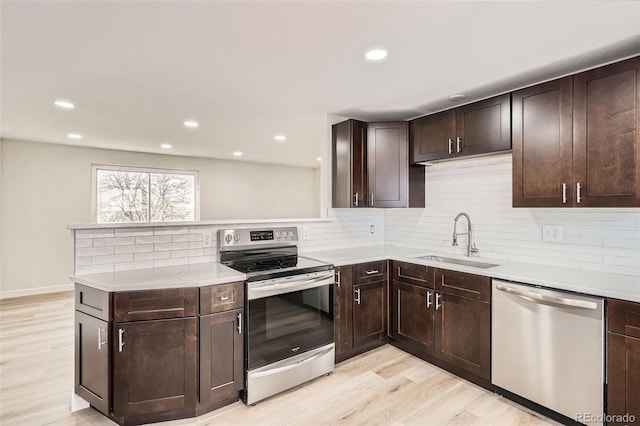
(385, 386)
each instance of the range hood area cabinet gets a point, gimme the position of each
(370, 166)
(479, 128)
(575, 140)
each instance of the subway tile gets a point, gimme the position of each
(170, 246)
(85, 242)
(186, 253)
(154, 255)
(93, 233)
(94, 251)
(170, 262)
(186, 238)
(137, 248)
(170, 230)
(134, 232)
(154, 239)
(120, 241)
(201, 259)
(129, 266)
(116, 258)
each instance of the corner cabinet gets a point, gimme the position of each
(623, 360)
(443, 317)
(575, 140)
(140, 355)
(360, 306)
(479, 128)
(370, 166)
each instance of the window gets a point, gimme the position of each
(130, 194)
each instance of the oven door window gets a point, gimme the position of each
(287, 324)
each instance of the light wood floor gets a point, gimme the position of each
(382, 387)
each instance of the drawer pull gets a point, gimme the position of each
(429, 303)
(100, 342)
(338, 278)
(120, 340)
(373, 271)
(357, 296)
(239, 323)
(438, 299)
(223, 298)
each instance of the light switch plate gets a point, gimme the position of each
(552, 233)
(207, 239)
(305, 233)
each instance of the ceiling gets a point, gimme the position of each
(249, 70)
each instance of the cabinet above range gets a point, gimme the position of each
(370, 166)
(479, 128)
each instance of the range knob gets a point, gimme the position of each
(291, 234)
(237, 237)
(228, 238)
(278, 235)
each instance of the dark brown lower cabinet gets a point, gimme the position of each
(412, 316)
(221, 359)
(462, 333)
(154, 366)
(360, 307)
(623, 377)
(92, 361)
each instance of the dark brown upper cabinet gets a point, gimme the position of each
(370, 166)
(479, 128)
(575, 140)
(349, 164)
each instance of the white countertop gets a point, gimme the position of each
(623, 287)
(202, 274)
(602, 284)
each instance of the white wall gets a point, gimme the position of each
(594, 239)
(45, 187)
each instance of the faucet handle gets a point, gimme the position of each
(455, 240)
(474, 249)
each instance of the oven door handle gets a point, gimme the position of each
(292, 365)
(286, 287)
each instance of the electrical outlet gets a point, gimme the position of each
(305, 233)
(207, 239)
(551, 233)
(372, 229)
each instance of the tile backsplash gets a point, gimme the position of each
(594, 239)
(606, 240)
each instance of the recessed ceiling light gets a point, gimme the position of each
(319, 158)
(237, 153)
(280, 137)
(74, 135)
(61, 103)
(192, 124)
(457, 97)
(376, 54)
(165, 146)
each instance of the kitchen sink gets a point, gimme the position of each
(464, 262)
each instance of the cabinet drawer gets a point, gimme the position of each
(223, 297)
(155, 304)
(623, 317)
(414, 274)
(369, 272)
(463, 284)
(92, 301)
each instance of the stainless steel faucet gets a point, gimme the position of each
(471, 247)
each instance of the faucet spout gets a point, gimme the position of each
(471, 247)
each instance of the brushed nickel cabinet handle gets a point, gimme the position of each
(338, 278)
(100, 342)
(357, 296)
(442, 279)
(373, 271)
(223, 298)
(429, 303)
(450, 146)
(372, 199)
(355, 203)
(120, 340)
(458, 142)
(564, 193)
(438, 301)
(239, 323)
(578, 195)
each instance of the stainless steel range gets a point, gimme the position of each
(289, 309)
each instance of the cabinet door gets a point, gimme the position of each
(343, 320)
(221, 357)
(412, 315)
(349, 164)
(92, 361)
(606, 153)
(388, 165)
(433, 137)
(462, 333)
(623, 376)
(484, 127)
(369, 313)
(542, 145)
(154, 366)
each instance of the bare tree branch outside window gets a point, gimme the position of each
(140, 196)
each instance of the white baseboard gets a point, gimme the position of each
(33, 291)
(77, 403)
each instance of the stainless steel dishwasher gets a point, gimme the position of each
(548, 347)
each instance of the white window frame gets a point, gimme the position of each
(136, 169)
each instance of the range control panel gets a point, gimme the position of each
(234, 239)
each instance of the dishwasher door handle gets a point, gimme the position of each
(537, 297)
